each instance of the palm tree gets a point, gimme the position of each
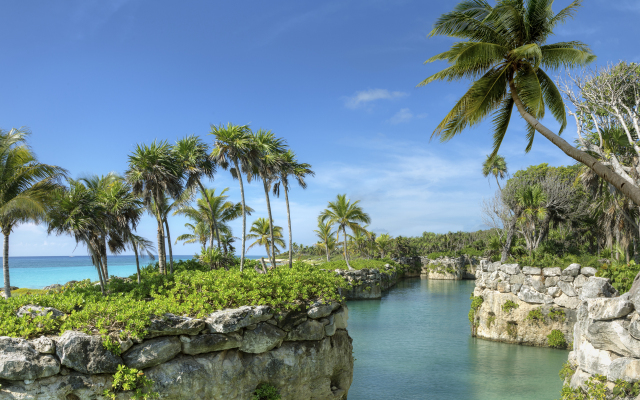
(495, 166)
(140, 245)
(164, 208)
(345, 214)
(291, 167)
(25, 188)
(153, 173)
(532, 200)
(268, 167)
(325, 234)
(504, 49)
(262, 232)
(233, 149)
(383, 241)
(200, 233)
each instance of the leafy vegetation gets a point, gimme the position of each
(567, 371)
(132, 381)
(476, 303)
(509, 305)
(266, 391)
(557, 314)
(535, 315)
(359, 264)
(556, 340)
(621, 274)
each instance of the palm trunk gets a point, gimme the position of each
(346, 259)
(162, 266)
(213, 217)
(105, 267)
(166, 224)
(286, 198)
(273, 251)
(5, 266)
(507, 244)
(498, 183)
(596, 166)
(135, 251)
(244, 217)
(97, 258)
(326, 246)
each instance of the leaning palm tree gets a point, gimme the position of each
(154, 173)
(299, 171)
(495, 166)
(26, 186)
(233, 149)
(504, 49)
(262, 232)
(345, 214)
(325, 234)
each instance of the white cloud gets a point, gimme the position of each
(364, 97)
(404, 115)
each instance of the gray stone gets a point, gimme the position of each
(529, 295)
(43, 345)
(20, 361)
(86, 354)
(551, 271)
(170, 325)
(571, 270)
(341, 317)
(209, 342)
(567, 289)
(597, 287)
(602, 309)
(319, 310)
(330, 330)
(264, 338)
(515, 288)
(554, 291)
(152, 352)
(551, 281)
(588, 271)
(567, 302)
(625, 368)
(611, 336)
(536, 283)
(548, 299)
(34, 311)
(51, 287)
(517, 279)
(580, 281)
(593, 360)
(231, 320)
(503, 287)
(512, 269)
(531, 271)
(289, 319)
(567, 278)
(309, 330)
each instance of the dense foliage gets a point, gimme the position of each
(359, 264)
(132, 381)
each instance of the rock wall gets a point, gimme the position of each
(449, 268)
(304, 354)
(368, 283)
(524, 305)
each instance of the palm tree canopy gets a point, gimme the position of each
(345, 214)
(260, 231)
(154, 171)
(532, 199)
(496, 166)
(291, 167)
(269, 148)
(194, 158)
(233, 145)
(324, 231)
(505, 48)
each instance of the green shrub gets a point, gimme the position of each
(624, 389)
(266, 391)
(509, 305)
(621, 275)
(132, 381)
(567, 371)
(476, 302)
(535, 315)
(557, 314)
(556, 340)
(512, 329)
(490, 320)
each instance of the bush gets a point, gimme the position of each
(133, 381)
(557, 314)
(359, 263)
(567, 371)
(556, 340)
(509, 305)
(535, 316)
(266, 391)
(620, 275)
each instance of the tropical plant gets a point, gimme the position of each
(383, 242)
(531, 200)
(140, 245)
(345, 214)
(495, 166)
(212, 257)
(325, 234)
(26, 186)
(262, 232)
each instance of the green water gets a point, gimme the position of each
(415, 344)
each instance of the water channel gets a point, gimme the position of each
(415, 344)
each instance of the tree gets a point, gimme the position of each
(345, 214)
(262, 232)
(504, 51)
(26, 186)
(495, 166)
(325, 234)
(232, 148)
(299, 171)
(383, 241)
(532, 200)
(140, 245)
(154, 173)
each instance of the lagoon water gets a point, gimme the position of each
(415, 344)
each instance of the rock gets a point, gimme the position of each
(319, 310)
(170, 325)
(536, 283)
(602, 309)
(549, 271)
(571, 270)
(554, 291)
(597, 287)
(551, 281)
(209, 342)
(86, 354)
(548, 299)
(264, 338)
(517, 279)
(515, 288)
(341, 317)
(309, 330)
(593, 360)
(611, 336)
(152, 352)
(529, 295)
(625, 368)
(289, 319)
(567, 302)
(43, 345)
(580, 281)
(512, 269)
(51, 287)
(567, 289)
(330, 329)
(231, 320)
(588, 271)
(531, 271)
(34, 310)
(503, 287)
(21, 361)
(567, 278)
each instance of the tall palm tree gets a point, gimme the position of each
(504, 49)
(325, 234)
(164, 208)
(262, 232)
(233, 149)
(154, 173)
(383, 241)
(345, 214)
(268, 167)
(532, 200)
(299, 171)
(140, 245)
(496, 166)
(26, 186)
(200, 233)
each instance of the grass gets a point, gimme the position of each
(25, 292)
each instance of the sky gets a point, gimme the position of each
(336, 79)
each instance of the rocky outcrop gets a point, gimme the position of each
(368, 283)
(306, 354)
(449, 268)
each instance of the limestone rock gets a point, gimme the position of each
(555, 271)
(319, 310)
(515, 288)
(231, 320)
(289, 319)
(511, 269)
(593, 360)
(86, 354)
(580, 281)
(517, 279)
(601, 309)
(597, 287)
(34, 310)
(567, 278)
(341, 317)
(611, 336)
(625, 368)
(209, 342)
(536, 283)
(567, 302)
(309, 330)
(572, 270)
(264, 338)
(554, 291)
(588, 271)
(503, 287)
(528, 294)
(20, 361)
(152, 352)
(551, 281)
(567, 289)
(170, 325)
(44, 345)
(547, 299)
(531, 271)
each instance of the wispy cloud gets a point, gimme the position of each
(362, 98)
(404, 115)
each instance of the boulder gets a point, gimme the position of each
(512, 269)
(551, 281)
(567, 288)
(51, 287)
(309, 330)
(567, 302)
(38, 311)
(19, 360)
(43, 345)
(567, 278)
(152, 352)
(536, 283)
(551, 271)
(625, 368)
(209, 342)
(529, 295)
(588, 271)
(264, 338)
(341, 317)
(611, 336)
(580, 281)
(234, 319)
(547, 299)
(634, 326)
(86, 354)
(572, 270)
(593, 360)
(170, 325)
(597, 287)
(554, 291)
(515, 288)
(320, 310)
(602, 309)
(517, 279)
(503, 287)
(531, 271)
(289, 319)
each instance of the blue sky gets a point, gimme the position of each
(336, 79)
